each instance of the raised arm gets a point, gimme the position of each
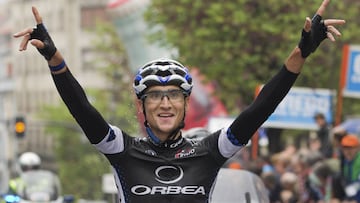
(315, 30)
(89, 119)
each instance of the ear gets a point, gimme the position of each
(140, 106)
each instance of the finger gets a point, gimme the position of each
(334, 22)
(23, 33)
(36, 15)
(322, 7)
(333, 30)
(307, 25)
(37, 43)
(24, 42)
(330, 36)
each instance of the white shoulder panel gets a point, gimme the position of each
(226, 148)
(113, 142)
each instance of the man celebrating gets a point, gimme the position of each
(163, 166)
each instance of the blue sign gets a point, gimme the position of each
(352, 84)
(298, 108)
(296, 111)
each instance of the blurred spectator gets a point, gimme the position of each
(323, 135)
(289, 192)
(272, 184)
(280, 162)
(351, 167)
(301, 164)
(337, 133)
(287, 197)
(256, 166)
(314, 142)
(28, 161)
(321, 183)
(272, 171)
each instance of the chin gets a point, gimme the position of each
(167, 129)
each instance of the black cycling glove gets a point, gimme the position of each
(41, 34)
(311, 40)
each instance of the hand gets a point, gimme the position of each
(316, 30)
(38, 37)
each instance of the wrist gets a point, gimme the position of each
(295, 61)
(56, 63)
(58, 67)
(56, 59)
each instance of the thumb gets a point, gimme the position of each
(307, 25)
(37, 43)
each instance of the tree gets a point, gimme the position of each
(77, 161)
(80, 165)
(240, 44)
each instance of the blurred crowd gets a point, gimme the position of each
(326, 170)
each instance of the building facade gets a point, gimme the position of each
(30, 86)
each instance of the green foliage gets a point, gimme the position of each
(242, 43)
(114, 65)
(80, 165)
(77, 160)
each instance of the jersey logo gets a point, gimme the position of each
(185, 153)
(168, 175)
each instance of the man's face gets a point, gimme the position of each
(350, 152)
(164, 107)
(320, 121)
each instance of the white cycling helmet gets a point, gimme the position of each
(162, 72)
(29, 161)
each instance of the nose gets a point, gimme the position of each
(165, 99)
(165, 95)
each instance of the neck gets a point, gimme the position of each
(167, 141)
(167, 137)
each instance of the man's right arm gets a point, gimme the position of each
(89, 119)
(73, 95)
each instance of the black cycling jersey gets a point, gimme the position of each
(181, 170)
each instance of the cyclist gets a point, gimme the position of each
(33, 179)
(28, 161)
(163, 166)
